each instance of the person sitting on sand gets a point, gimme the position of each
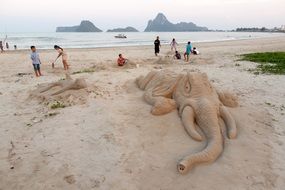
(121, 60)
(177, 55)
(63, 54)
(36, 61)
(195, 51)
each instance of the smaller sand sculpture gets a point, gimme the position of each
(67, 91)
(199, 105)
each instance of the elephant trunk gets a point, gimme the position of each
(210, 126)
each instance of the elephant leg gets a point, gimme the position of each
(188, 120)
(161, 105)
(229, 121)
(228, 99)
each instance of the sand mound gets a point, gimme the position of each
(63, 93)
(164, 60)
(100, 67)
(129, 65)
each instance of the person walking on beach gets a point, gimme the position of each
(63, 54)
(1, 47)
(157, 46)
(15, 47)
(188, 51)
(173, 45)
(36, 61)
(7, 46)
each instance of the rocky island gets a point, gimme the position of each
(161, 24)
(85, 26)
(127, 29)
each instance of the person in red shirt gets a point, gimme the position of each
(121, 60)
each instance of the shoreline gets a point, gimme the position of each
(150, 46)
(45, 41)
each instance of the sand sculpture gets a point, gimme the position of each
(68, 91)
(199, 104)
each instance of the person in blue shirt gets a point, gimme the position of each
(188, 51)
(36, 61)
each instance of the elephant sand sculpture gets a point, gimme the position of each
(198, 103)
(67, 90)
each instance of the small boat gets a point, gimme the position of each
(120, 36)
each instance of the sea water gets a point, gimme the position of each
(105, 39)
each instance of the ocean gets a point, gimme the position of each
(104, 39)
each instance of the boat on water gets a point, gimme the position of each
(121, 36)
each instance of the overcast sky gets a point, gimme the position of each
(44, 16)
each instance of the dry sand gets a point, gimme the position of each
(111, 141)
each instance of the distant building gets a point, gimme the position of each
(282, 28)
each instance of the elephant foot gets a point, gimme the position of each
(163, 106)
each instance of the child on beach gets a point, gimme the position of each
(195, 51)
(36, 61)
(177, 55)
(63, 54)
(121, 60)
(173, 44)
(188, 51)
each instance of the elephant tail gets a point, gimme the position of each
(210, 153)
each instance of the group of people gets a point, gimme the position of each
(2, 46)
(121, 61)
(37, 62)
(173, 46)
(6, 45)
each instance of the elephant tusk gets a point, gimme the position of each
(229, 121)
(188, 120)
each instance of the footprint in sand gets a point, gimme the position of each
(70, 179)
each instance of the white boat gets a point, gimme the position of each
(121, 36)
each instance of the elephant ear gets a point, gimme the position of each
(228, 99)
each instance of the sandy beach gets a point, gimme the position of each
(106, 138)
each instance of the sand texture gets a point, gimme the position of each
(96, 131)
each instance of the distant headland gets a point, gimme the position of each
(127, 29)
(85, 26)
(161, 24)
